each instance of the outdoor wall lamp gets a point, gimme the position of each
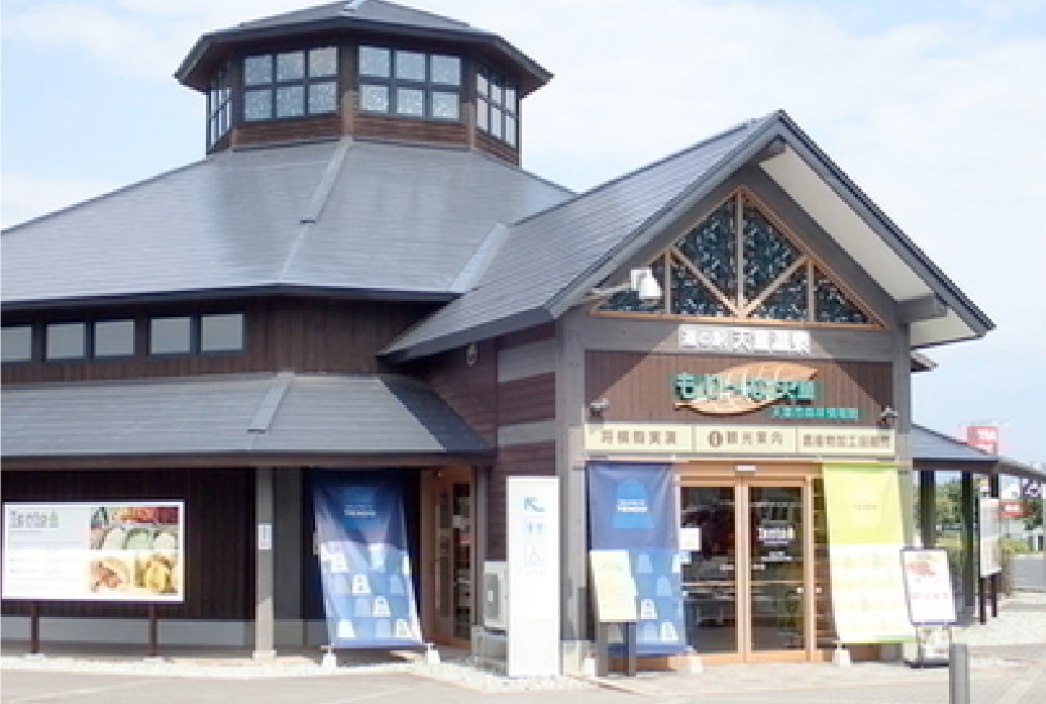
(598, 407)
(641, 280)
(888, 416)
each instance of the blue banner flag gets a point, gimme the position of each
(368, 593)
(631, 507)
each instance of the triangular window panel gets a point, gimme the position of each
(831, 305)
(740, 263)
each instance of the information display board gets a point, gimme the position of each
(95, 551)
(928, 586)
(615, 587)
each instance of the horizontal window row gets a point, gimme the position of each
(391, 81)
(115, 339)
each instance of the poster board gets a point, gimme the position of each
(127, 551)
(928, 587)
(990, 537)
(613, 584)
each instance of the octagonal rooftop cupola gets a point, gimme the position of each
(367, 68)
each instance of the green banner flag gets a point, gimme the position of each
(865, 538)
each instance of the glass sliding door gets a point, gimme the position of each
(709, 570)
(776, 567)
(744, 569)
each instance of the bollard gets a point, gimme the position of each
(958, 674)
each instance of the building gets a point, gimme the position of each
(358, 276)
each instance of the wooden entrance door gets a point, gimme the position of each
(448, 513)
(747, 571)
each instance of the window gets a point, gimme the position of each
(739, 263)
(218, 106)
(196, 334)
(66, 341)
(410, 83)
(170, 335)
(496, 106)
(290, 84)
(113, 338)
(16, 343)
(221, 333)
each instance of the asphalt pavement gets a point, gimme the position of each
(1007, 666)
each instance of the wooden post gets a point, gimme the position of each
(154, 633)
(34, 628)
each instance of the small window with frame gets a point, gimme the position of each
(65, 342)
(16, 344)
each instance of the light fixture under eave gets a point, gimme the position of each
(888, 416)
(645, 285)
(641, 280)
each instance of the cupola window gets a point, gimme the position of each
(496, 106)
(290, 84)
(740, 263)
(219, 106)
(410, 83)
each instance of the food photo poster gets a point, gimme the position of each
(94, 551)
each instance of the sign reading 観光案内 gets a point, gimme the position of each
(94, 551)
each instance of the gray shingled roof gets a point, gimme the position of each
(365, 218)
(242, 414)
(559, 250)
(550, 261)
(938, 449)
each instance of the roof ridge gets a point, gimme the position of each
(646, 167)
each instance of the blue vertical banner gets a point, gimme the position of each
(368, 593)
(632, 507)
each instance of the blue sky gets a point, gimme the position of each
(935, 108)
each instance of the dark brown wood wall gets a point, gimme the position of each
(470, 390)
(219, 537)
(286, 130)
(385, 127)
(300, 334)
(639, 386)
(496, 147)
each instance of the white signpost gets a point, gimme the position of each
(533, 577)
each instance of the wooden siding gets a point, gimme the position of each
(219, 534)
(527, 400)
(639, 387)
(470, 390)
(286, 130)
(538, 460)
(495, 147)
(390, 127)
(299, 334)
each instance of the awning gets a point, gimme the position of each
(932, 450)
(254, 419)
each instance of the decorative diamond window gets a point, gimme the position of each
(740, 263)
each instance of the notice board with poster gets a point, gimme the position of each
(95, 551)
(928, 586)
(614, 586)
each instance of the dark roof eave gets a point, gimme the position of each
(247, 458)
(191, 71)
(262, 291)
(496, 328)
